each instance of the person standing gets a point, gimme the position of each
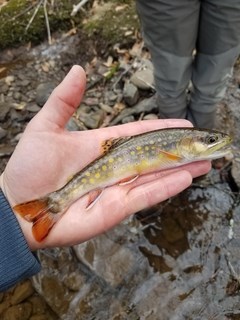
(173, 30)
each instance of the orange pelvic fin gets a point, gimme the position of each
(93, 197)
(38, 212)
(128, 180)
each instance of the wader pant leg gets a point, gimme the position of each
(218, 46)
(170, 32)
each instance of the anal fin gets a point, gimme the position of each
(93, 197)
(128, 180)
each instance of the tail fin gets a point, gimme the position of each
(38, 212)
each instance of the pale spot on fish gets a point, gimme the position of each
(91, 180)
(84, 180)
(87, 173)
(97, 175)
(111, 160)
(132, 153)
(139, 148)
(104, 168)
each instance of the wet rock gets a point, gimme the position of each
(9, 80)
(91, 119)
(1, 296)
(22, 292)
(38, 305)
(17, 95)
(6, 151)
(39, 317)
(74, 281)
(150, 116)
(55, 294)
(106, 258)
(236, 170)
(130, 94)
(3, 133)
(4, 88)
(4, 306)
(21, 311)
(43, 92)
(32, 107)
(128, 119)
(5, 107)
(145, 106)
(143, 79)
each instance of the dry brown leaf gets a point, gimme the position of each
(120, 8)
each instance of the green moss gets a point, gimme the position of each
(113, 25)
(16, 15)
(109, 24)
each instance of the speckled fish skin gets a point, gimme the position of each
(143, 154)
(125, 159)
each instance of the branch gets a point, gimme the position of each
(78, 7)
(47, 22)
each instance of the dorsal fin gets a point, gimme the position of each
(112, 143)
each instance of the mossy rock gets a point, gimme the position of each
(114, 21)
(16, 15)
(106, 22)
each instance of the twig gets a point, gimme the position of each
(47, 22)
(34, 15)
(78, 7)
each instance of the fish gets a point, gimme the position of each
(121, 162)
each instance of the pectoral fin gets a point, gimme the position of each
(169, 155)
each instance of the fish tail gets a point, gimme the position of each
(39, 212)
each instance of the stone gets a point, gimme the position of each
(150, 116)
(4, 110)
(3, 133)
(21, 311)
(128, 119)
(43, 92)
(22, 292)
(38, 305)
(4, 306)
(130, 93)
(91, 119)
(33, 107)
(143, 79)
(39, 317)
(9, 80)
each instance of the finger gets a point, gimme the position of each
(156, 191)
(196, 169)
(137, 127)
(63, 101)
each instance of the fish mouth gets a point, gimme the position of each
(223, 152)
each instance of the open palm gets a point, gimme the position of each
(47, 155)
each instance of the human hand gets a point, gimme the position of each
(47, 155)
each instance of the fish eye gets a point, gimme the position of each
(212, 139)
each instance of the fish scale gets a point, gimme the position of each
(122, 161)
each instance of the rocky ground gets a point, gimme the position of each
(80, 282)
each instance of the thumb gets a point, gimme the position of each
(63, 101)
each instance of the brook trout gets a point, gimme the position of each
(121, 162)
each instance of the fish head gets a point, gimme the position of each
(204, 145)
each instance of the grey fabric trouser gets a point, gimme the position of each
(172, 29)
